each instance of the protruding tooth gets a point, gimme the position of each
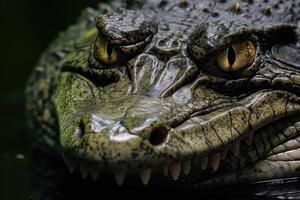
(235, 148)
(120, 177)
(204, 162)
(186, 167)
(145, 175)
(83, 170)
(249, 139)
(175, 170)
(71, 164)
(95, 171)
(214, 161)
(165, 170)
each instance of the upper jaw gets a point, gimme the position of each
(205, 138)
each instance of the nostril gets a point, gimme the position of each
(80, 129)
(158, 135)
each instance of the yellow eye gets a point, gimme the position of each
(236, 57)
(104, 51)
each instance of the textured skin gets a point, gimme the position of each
(166, 101)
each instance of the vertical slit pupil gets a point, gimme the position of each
(109, 49)
(231, 55)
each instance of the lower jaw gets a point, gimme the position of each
(274, 154)
(253, 159)
(263, 170)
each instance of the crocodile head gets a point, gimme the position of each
(205, 92)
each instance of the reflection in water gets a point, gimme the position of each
(280, 189)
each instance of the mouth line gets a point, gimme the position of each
(205, 165)
(175, 122)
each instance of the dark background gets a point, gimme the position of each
(26, 28)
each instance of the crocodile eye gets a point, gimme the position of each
(104, 51)
(236, 57)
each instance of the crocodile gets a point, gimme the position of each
(203, 92)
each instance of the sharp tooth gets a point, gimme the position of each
(175, 170)
(235, 148)
(120, 177)
(204, 162)
(165, 170)
(71, 164)
(83, 170)
(186, 167)
(249, 139)
(145, 175)
(95, 171)
(214, 161)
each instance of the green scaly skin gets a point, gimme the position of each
(165, 105)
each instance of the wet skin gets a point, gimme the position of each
(206, 92)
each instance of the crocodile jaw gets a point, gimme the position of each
(207, 147)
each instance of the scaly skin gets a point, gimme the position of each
(165, 105)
